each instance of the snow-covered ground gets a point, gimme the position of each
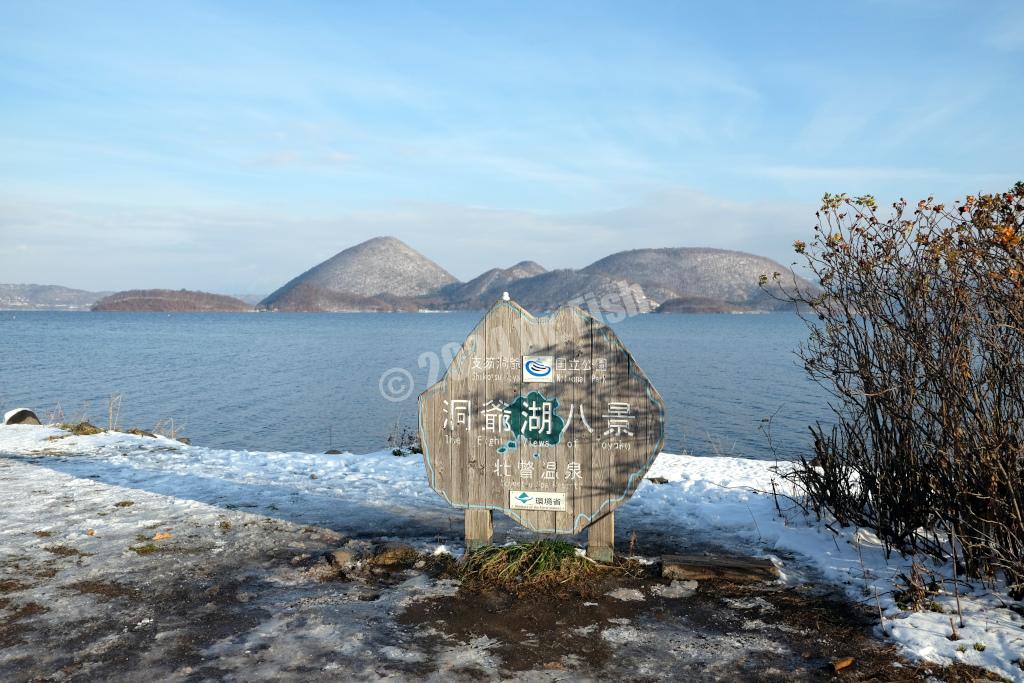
(720, 501)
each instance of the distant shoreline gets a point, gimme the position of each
(423, 312)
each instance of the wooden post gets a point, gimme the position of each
(479, 528)
(601, 539)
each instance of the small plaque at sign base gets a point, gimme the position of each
(536, 500)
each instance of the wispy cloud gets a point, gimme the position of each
(292, 159)
(109, 247)
(1008, 32)
(228, 147)
(880, 179)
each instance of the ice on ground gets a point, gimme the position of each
(676, 589)
(756, 602)
(72, 486)
(626, 594)
(621, 634)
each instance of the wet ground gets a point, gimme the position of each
(719, 632)
(126, 585)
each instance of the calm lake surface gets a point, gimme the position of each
(309, 382)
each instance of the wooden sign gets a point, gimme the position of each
(548, 420)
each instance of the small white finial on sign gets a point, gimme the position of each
(504, 296)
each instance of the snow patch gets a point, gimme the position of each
(626, 594)
(723, 500)
(676, 589)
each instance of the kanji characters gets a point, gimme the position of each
(550, 471)
(573, 471)
(457, 412)
(583, 417)
(496, 415)
(618, 419)
(538, 417)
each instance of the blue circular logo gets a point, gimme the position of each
(538, 369)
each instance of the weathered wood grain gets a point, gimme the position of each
(601, 539)
(479, 528)
(723, 567)
(613, 420)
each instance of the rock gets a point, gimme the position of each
(324, 571)
(333, 451)
(342, 557)
(20, 416)
(350, 554)
(724, 567)
(395, 555)
(657, 480)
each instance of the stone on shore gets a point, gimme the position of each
(20, 416)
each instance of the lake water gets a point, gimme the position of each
(309, 382)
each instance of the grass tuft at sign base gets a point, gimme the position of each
(522, 566)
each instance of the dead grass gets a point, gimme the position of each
(11, 632)
(65, 551)
(11, 586)
(86, 428)
(145, 549)
(82, 428)
(103, 589)
(29, 609)
(528, 566)
(137, 432)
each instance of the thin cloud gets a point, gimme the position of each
(1007, 34)
(290, 159)
(96, 246)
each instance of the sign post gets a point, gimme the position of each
(548, 420)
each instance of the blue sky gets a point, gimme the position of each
(228, 146)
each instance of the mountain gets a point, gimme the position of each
(593, 291)
(383, 273)
(251, 299)
(46, 298)
(704, 277)
(308, 298)
(481, 291)
(169, 300)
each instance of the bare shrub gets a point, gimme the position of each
(918, 332)
(403, 440)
